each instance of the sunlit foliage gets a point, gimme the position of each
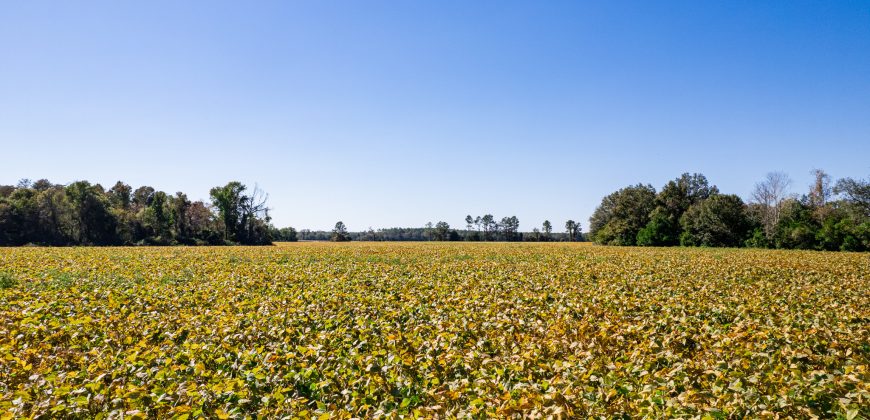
(433, 330)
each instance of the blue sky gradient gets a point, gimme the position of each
(397, 113)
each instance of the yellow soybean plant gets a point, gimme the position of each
(433, 330)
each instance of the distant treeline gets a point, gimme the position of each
(481, 228)
(82, 213)
(689, 211)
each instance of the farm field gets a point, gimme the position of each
(433, 330)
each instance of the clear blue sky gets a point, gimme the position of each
(397, 113)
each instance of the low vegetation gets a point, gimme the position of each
(346, 330)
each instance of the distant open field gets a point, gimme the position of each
(431, 329)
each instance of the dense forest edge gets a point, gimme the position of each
(688, 211)
(81, 213)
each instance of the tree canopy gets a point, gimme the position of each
(82, 213)
(689, 211)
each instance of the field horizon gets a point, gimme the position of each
(434, 210)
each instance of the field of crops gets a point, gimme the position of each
(433, 330)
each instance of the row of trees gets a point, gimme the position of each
(340, 233)
(689, 211)
(82, 213)
(487, 229)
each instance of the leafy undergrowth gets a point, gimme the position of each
(433, 330)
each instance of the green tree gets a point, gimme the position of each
(43, 185)
(510, 227)
(441, 232)
(671, 202)
(572, 228)
(797, 227)
(662, 229)
(228, 201)
(120, 195)
(17, 213)
(204, 227)
(55, 215)
(142, 196)
(856, 193)
(179, 220)
(717, 221)
(245, 217)
(156, 218)
(548, 229)
(339, 232)
(489, 225)
(287, 234)
(94, 223)
(622, 214)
